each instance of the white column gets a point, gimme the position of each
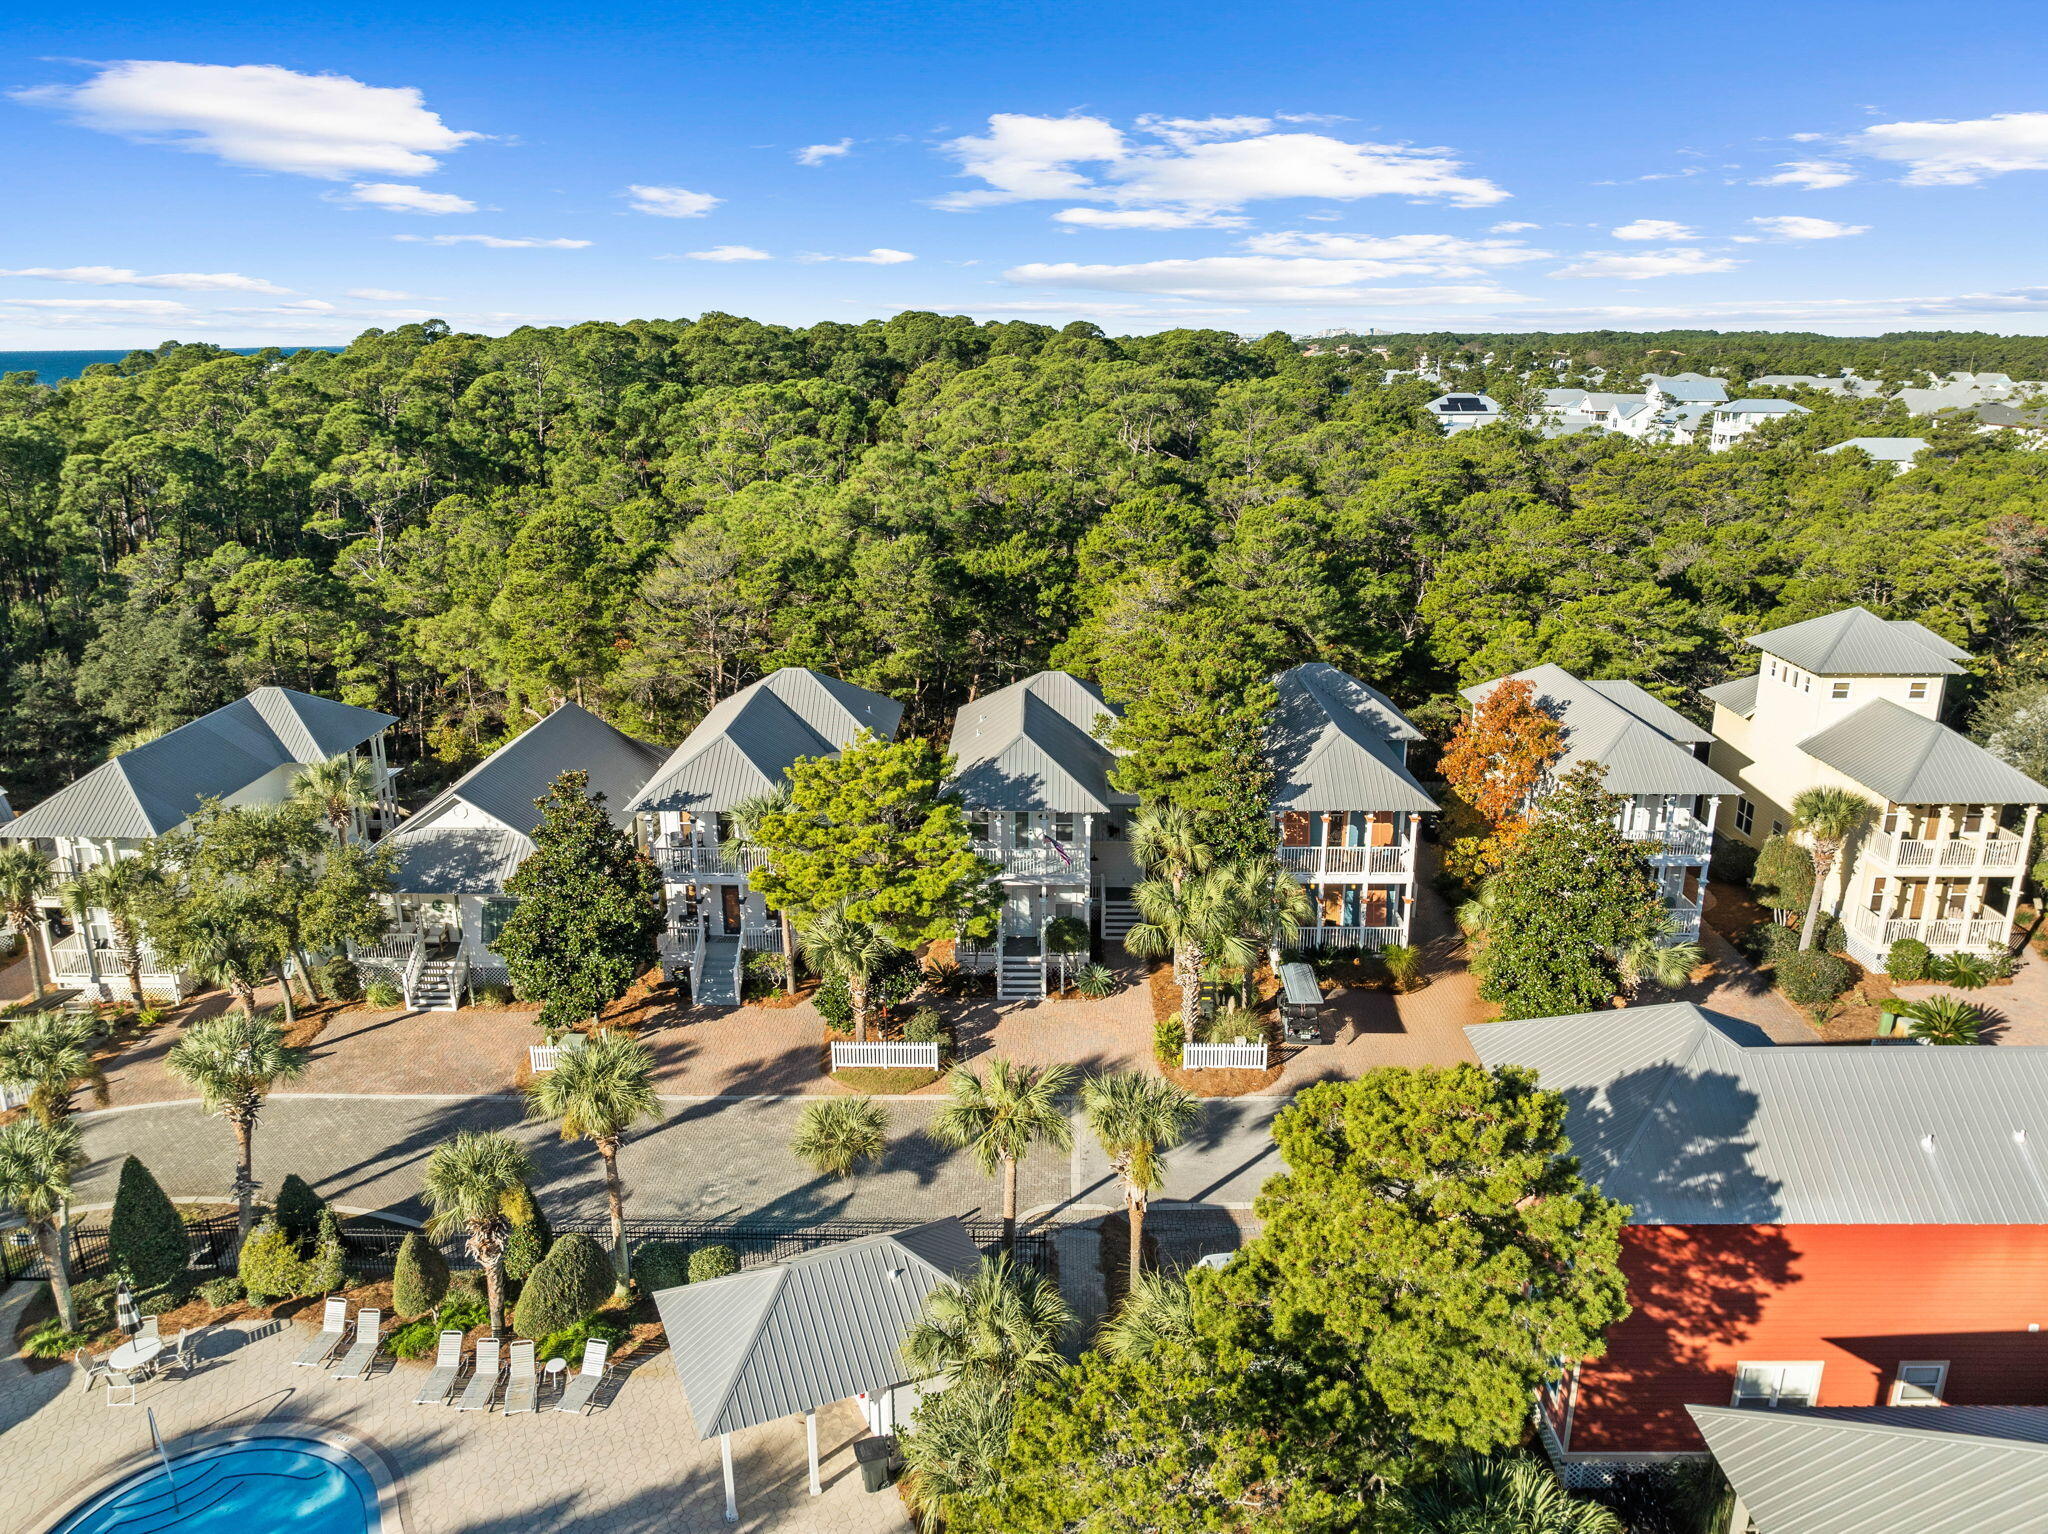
(811, 1433)
(732, 1501)
(2019, 874)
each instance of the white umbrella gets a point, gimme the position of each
(126, 1314)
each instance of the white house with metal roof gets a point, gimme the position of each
(1032, 767)
(1346, 808)
(1739, 417)
(455, 854)
(1464, 412)
(248, 752)
(1853, 701)
(1899, 452)
(1653, 756)
(742, 750)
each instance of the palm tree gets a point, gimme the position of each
(221, 941)
(50, 1056)
(1195, 923)
(24, 877)
(1157, 1314)
(838, 944)
(1004, 1323)
(1659, 960)
(1515, 1495)
(958, 1440)
(336, 790)
(1944, 1020)
(1474, 916)
(1273, 905)
(1167, 842)
(126, 889)
(747, 818)
(599, 1092)
(1137, 1118)
(233, 1062)
(468, 1179)
(1000, 1116)
(1829, 817)
(836, 1134)
(37, 1163)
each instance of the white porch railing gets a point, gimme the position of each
(13, 1094)
(1686, 839)
(703, 857)
(1956, 853)
(1348, 860)
(541, 1058)
(1351, 937)
(72, 968)
(1045, 862)
(1223, 1057)
(1947, 932)
(889, 1055)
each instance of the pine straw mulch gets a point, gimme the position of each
(1166, 1004)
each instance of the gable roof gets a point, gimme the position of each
(1856, 1469)
(1883, 449)
(1336, 744)
(159, 785)
(1645, 745)
(1690, 388)
(1856, 642)
(772, 1342)
(1908, 758)
(1032, 746)
(1760, 407)
(1695, 1118)
(1738, 696)
(748, 741)
(437, 857)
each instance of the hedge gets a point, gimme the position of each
(566, 1288)
(1814, 976)
(419, 1277)
(709, 1262)
(1906, 960)
(529, 1238)
(660, 1265)
(145, 1235)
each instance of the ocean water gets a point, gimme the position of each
(54, 367)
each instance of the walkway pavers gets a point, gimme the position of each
(2018, 1012)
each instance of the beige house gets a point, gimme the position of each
(1854, 701)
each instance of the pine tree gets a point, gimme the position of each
(419, 1278)
(145, 1234)
(327, 1269)
(571, 1282)
(529, 1237)
(298, 1210)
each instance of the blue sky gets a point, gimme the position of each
(245, 176)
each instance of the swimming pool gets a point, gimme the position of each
(244, 1486)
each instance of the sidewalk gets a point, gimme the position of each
(2018, 1012)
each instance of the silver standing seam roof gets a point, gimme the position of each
(1692, 1117)
(1032, 746)
(1908, 758)
(1738, 696)
(1645, 745)
(159, 785)
(436, 858)
(1336, 744)
(747, 742)
(775, 1341)
(1875, 1469)
(1856, 642)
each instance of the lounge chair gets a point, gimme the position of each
(90, 1369)
(582, 1385)
(447, 1364)
(355, 1363)
(333, 1328)
(522, 1384)
(483, 1379)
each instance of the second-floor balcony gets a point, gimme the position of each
(1394, 860)
(1042, 862)
(684, 855)
(2000, 852)
(1683, 836)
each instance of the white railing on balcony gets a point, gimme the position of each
(887, 1056)
(1938, 932)
(1350, 937)
(706, 856)
(1223, 1057)
(1682, 837)
(72, 967)
(1348, 860)
(1961, 852)
(1045, 862)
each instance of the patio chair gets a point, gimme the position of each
(149, 1331)
(522, 1383)
(483, 1379)
(181, 1355)
(580, 1387)
(333, 1328)
(447, 1364)
(121, 1379)
(355, 1363)
(89, 1369)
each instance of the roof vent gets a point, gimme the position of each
(2019, 1137)
(1927, 1143)
(896, 1275)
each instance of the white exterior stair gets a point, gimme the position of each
(1022, 976)
(435, 989)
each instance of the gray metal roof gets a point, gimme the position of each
(1760, 407)
(1856, 642)
(1337, 744)
(1883, 449)
(1032, 746)
(1908, 758)
(157, 786)
(748, 741)
(1695, 1118)
(439, 857)
(1876, 1469)
(776, 1341)
(1738, 696)
(1622, 728)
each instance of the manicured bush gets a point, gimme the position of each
(925, 1026)
(1783, 880)
(567, 1287)
(341, 980)
(1095, 981)
(529, 1238)
(419, 1277)
(1813, 976)
(221, 1292)
(1167, 1039)
(1964, 971)
(1226, 1025)
(1906, 960)
(569, 1344)
(715, 1261)
(144, 1235)
(270, 1266)
(1403, 962)
(1066, 934)
(660, 1265)
(327, 1268)
(298, 1210)
(494, 995)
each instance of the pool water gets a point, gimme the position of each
(249, 1486)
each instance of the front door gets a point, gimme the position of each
(729, 896)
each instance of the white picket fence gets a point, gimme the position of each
(545, 1057)
(13, 1094)
(890, 1055)
(1223, 1057)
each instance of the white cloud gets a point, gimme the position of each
(163, 307)
(262, 116)
(1400, 255)
(122, 277)
(383, 295)
(1513, 226)
(1653, 229)
(1791, 226)
(818, 154)
(1148, 218)
(671, 201)
(491, 241)
(1950, 153)
(1106, 307)
(881, 255)
(1251, 279)
(1814, 175)
(1204, 165)
(728, 253)
(1634, 266)
(395, 197)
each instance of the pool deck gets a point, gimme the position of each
(633, 1466)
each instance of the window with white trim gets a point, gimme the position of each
(1916, 690)
(1777, 828)
(1745, 816)
(1919, 1384)
(1776, 1384)
(1839, 690)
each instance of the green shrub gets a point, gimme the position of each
(715, 1261)
(1095, 981)
(50, 1340)
(462, 1312)
(221, 1292)
(144, 1235)
(527, 1242)
(1167, 1039)
(1964, 971)
(1226, 1025)
(1906, 960)
(1783, 880)
(568, 1344)
(496, 995)
(327, 1268)
(925, 1026)
(297, 1211)
(466, 1288)
(898, 980)
(94, 1302)
(1944, 1020)
(1813, 976)
(271, 1267)
(341, 980)
(168, 1298)
(383, 995)
(1066, 934)
(419, 1276)
(415, 1339)
(569, 1284)
(1403, 964)
(660, 1265)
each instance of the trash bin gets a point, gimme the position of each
(876, 1457)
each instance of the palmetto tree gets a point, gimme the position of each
(468, 1179)
(1194, 923)
(1944, 1020)
(1167, 842)
(599, 1092)
(126, 889)
(1000, 1115)
(336, 790)
(1158, 1313)
(50, 1056)
(837, 944)
(24, 877)
(1829, 817)
(1659, 960)
(233, 1062)
(747, 817)
(1137, 1118)
(37, 1163)
(834, 1135)
(1272, 904)
(1515, 1495)
(956, 1446)
(1004, 1324)
(227, 941)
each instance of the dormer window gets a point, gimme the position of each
(1840, 690)
(1916, 691)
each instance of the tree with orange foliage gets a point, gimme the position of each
(1495, 759)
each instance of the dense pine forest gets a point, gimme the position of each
(465, 530)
